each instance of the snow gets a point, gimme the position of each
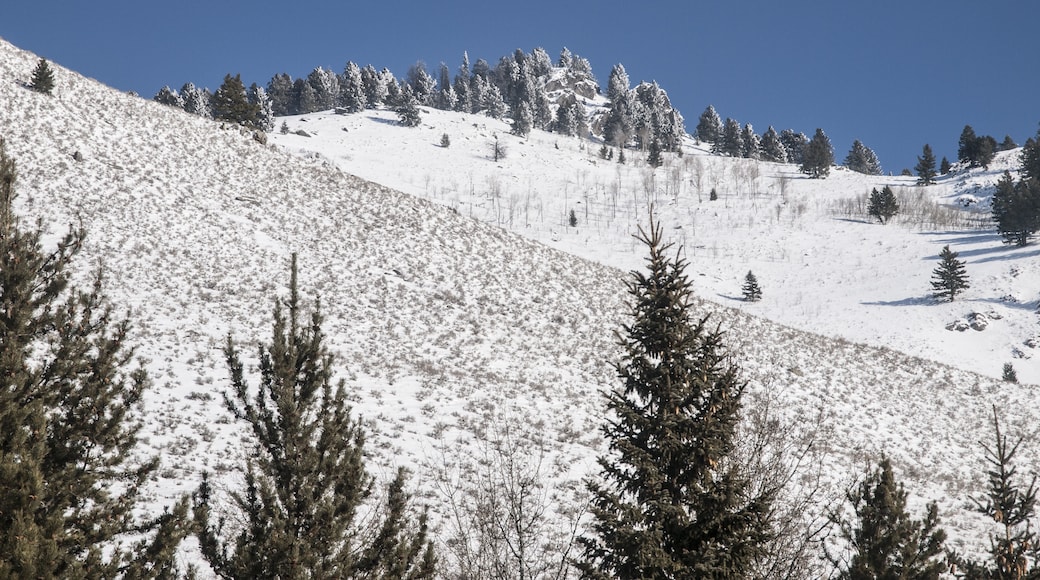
(456, 297)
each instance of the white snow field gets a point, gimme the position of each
(457, 298)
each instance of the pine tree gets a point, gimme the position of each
(1009, 375)
(408, 111)
(1007, 144)
(669, 504)
(752, 291)
(818, 156)
(1016, 209)
(69, 483)
(1014, 550)
(883, 540)
(262, 108)
(654, 158)
(1030, 158)
(883, 204)
(709, 127)
(230, 103)
(280, 91)
(42, 78)
(169, 97)
(944, 166)
(196, 100)
(752, 145)
(352, 89)
(862, 159)
(732, 142)
(950, 277)
(773, 147)
(795, 144)
(305, 479)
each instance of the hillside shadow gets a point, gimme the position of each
(916, 301)
(392, 122)
(1019, 255)
(1030, 306)
(961, 237)
(854, 221)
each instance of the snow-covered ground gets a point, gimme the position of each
(485, 308)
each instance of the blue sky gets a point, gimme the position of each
(893, 74)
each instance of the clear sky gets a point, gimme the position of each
(895, 74)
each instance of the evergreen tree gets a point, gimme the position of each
(280, 92)
(305, 97)
(1030, 158)
(884, 542)
(1007, 144)
(620, 124)
(262, 107)
(42, 78)
(461, 85)
(669, 503)
(1009, 375)
(795, 144)
(862, 159)
(408, 111)
(422, 84)
(305, 479)
(752, 145)
(654, 158)
(169, 97)
(69, 482)
(944, 166)
(709, 127)
(1016, 209)
(373, 87)
(523, 120)
(882, 204)
(352, 89)
(1014, 552)
(325, 85)
(732, 142)
(752, 291)
(196, 100)
(976, 151)
(818, 156)
(230, 103)
(773, 147)
(925, 167)
(950, 277)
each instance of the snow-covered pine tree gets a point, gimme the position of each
(773, 147)
(752, 145)
(280, 91)
(794, 144)
(262, 107)
(523, 120)
(422, 84)
(670, 502)
(42, 78)
(883, 540)
(709, 126)
(883, 204)
(818, 156)
(305, 480)
(408, 109)
(374, 87)
(751, 290)
(352, 89)
(168, 96)
(326, 89)
(70, 471)
(925, 167)
(950, 277)
(862, 159)
(196, 100)
(732, 141)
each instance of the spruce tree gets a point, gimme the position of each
(1030, 158)
(882, 204)
(773, 147)
(69, 481)
(885, 543)
(709, 126)
(950, 277)
(305, 479)
(669, 503)
(1016, 209)
(408, 109)
(862, 159)
(944, 166)
(818, 156)
(1014, 549)
(732, 141)
(752, 291)
(42, 78)
(925, 167)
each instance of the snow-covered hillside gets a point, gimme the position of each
(445, 324)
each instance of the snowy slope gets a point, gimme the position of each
(444, 324)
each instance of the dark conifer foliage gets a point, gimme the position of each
(42, 78)
(882, 204)
(1030, 158)
(773, 146)
(862, 159)
(668, 503)
(231, 103)
(1007, 144)
(168, 96)
(818, 156)
(944, 166)
(794, 144)
(751, 290)
(925, 167)
(69, 485)
(976, 151)
(280, 90)
(1016, 209)
(1014, 549)
(950, 277)
(709, 126)
(732, 141)
(306, 479)
(884, 542)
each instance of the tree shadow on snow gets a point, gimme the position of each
(914, 301)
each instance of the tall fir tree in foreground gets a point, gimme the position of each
(669, 502)
(883, 541)
(1014, 548)
(305, 482)
(882, 204)
(42, 78)
(925, 167)
(950, 277)
(69, 483)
